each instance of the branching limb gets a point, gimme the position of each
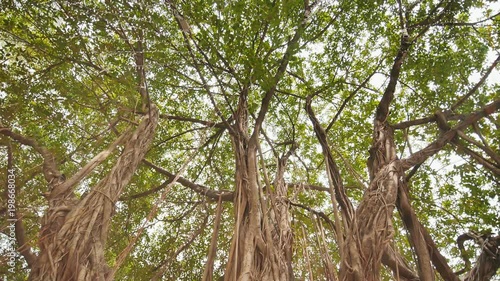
(351, 96)
(477, 85)
(168, 260)
(90, 166)
(50, 170)
(488, 262)
(494, 156)
(478, 158)
(437, 145)
(187, 34)
(203, 190)
(333, 170)
(291, 49)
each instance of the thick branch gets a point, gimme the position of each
(317, 213)
(425, 120)
(289, 52)
(308, 186)
(478, 84)
(50, 170)
(479, 159)
(333, 170)
(400, 268)
(406, 124)
(488, 262)
(383, 106)
(200, 189)
(416, 238)
(494, 156)
(186, 119)
(90, 166)
(409, 216)
(437, 145)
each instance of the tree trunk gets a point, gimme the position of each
(371, 231)
(253, 255)
(73, 236)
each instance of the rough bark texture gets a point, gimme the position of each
(262, 239)
(244, 263)
(371, 231)
(283, 236)
(74, 231)
(488, 262)
(390, 257)
(372, 228)
(253, 255)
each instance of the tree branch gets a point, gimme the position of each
(50, 170)
(333, 169)
(289, 52)
(383, 106)
(200, 189)
(476, 87)
(351, 96)
(90, 166)
(437, 145)
(422, 238)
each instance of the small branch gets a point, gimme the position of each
(187, 34)
(164, 264)
(467, 23)
(308, 186)
(476, 87)
(317, 213)
(351, 96)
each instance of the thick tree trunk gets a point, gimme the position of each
(245, 260)
(74, 232)
(247, 250)
(261, 244)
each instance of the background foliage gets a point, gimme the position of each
(68, 76)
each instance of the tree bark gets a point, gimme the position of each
(74, 231)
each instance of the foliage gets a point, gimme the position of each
(70, 80)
